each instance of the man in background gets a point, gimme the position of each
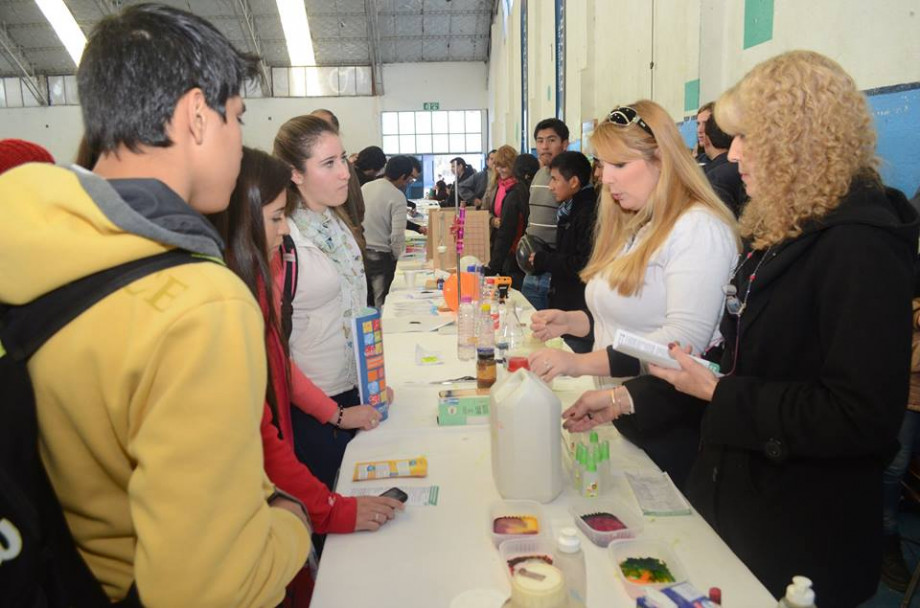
(702, 115)
(552, 138)
(473, 189)
(462, 172)
(385, 224)
(722, 173)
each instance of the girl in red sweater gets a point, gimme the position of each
(252, 228)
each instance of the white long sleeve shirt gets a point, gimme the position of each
(681, 299)
(384, 217)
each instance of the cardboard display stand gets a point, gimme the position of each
(475, 237)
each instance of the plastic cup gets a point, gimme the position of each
(410, 278)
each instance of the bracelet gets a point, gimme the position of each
(622, 403)
(338, 421)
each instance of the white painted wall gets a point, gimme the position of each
(876, 42)
(505, 81)
(610, 44)
(542, 63)
(455, 85)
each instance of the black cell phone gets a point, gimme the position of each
(397, 494)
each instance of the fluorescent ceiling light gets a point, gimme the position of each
(296, 32)
(65, 26)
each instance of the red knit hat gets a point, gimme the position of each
(15, 152)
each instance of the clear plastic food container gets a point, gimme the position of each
(643, 549)
(510, 519)
(605, 520)
(518, 551)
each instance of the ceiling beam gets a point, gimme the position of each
(27, 73)
(436, 37)
(373, 41)
(248, 23)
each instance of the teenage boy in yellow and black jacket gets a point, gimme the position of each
(149, 403)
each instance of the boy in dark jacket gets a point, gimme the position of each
(570, 183)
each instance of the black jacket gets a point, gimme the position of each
(726, 181)
(514, 216)
(450, 201)
(574, 240)
(795, 439)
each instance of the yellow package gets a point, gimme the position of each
(385, 469)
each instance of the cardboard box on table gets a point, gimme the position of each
(475, 237)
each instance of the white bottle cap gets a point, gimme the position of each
(568, 540)
(800, 593)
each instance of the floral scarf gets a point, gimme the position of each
(335, 240)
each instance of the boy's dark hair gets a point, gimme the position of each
(556, 125)
(416, 164)
(398, 166)
(459, 160)
(524, 168)
(139, 63)
(717, 137)
(371, 158)
(706, 107)
(570, 164)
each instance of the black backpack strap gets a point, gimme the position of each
(289, 259)
(23, 329)
(65, 578)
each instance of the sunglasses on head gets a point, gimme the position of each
(625, 116)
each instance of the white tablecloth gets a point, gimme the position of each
(428, 555)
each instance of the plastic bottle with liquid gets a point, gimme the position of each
(466, 330)
(590, 482)
(486, 333)
(799, 594)
(578, 467)
(571, 560)
(509, 332)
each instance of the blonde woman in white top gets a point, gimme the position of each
(664, 247)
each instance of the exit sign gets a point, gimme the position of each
(431, 105)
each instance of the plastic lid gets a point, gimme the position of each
(568, 541)
(800, 593)
(605, 450)
(593, 437)
(715, 595)
(486, 306)
(581, 453)
(466, 299)
(538, 585)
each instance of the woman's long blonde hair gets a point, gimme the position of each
(807, 133)
(681, 185)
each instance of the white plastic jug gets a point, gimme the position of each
(524, 417)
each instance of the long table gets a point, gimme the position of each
(429, 555)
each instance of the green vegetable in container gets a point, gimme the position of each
(646, 570)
